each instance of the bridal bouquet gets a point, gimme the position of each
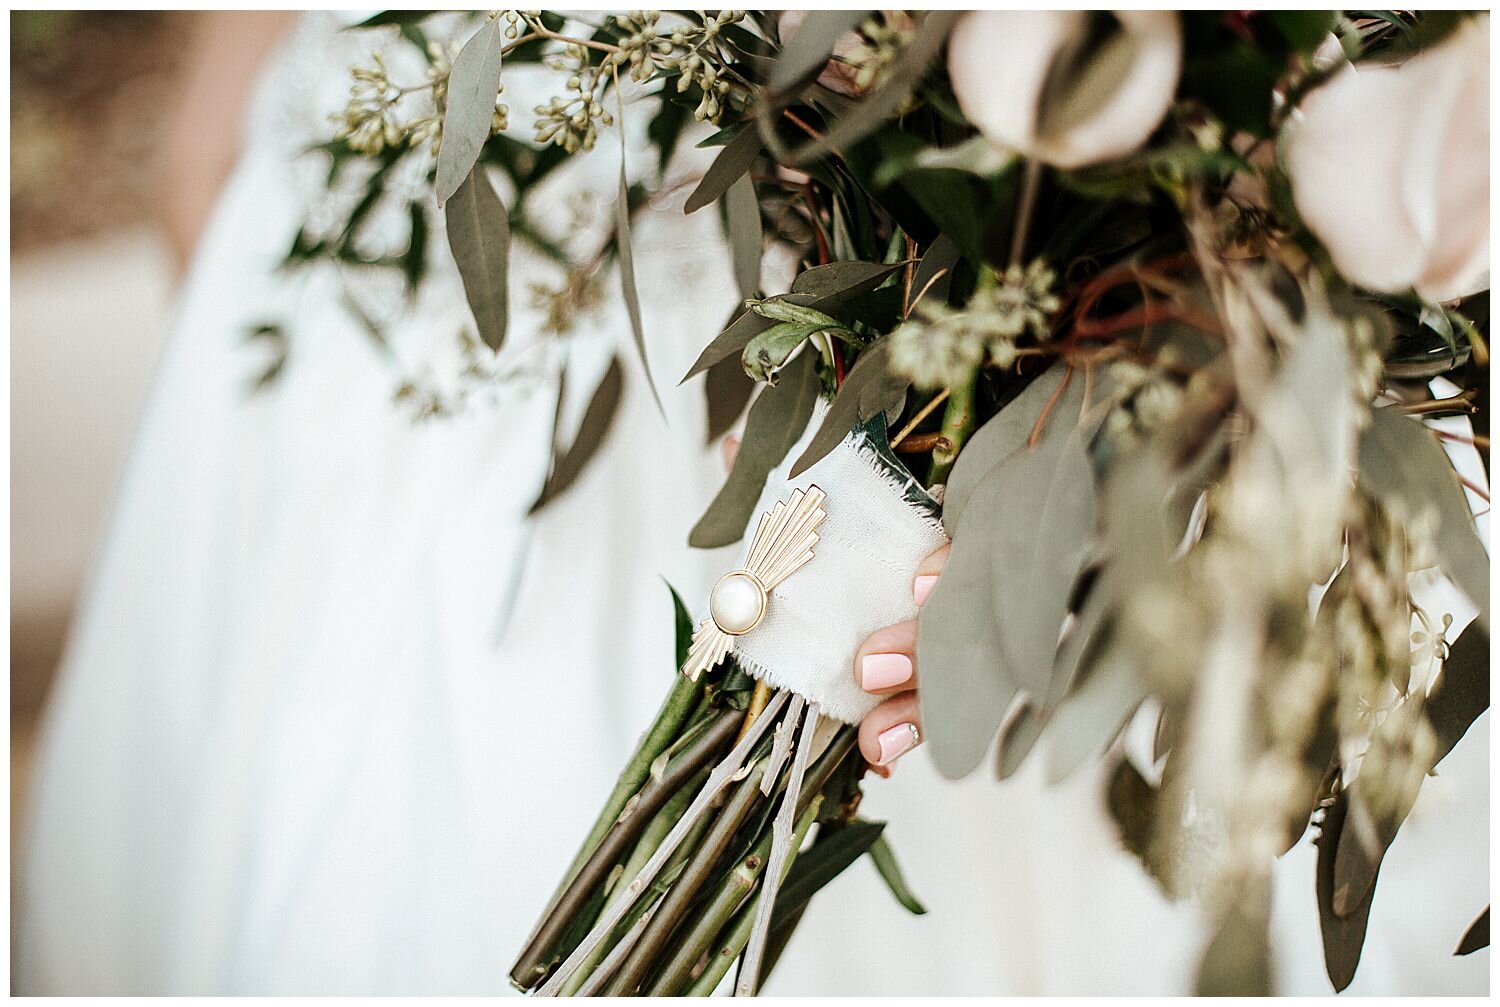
(1148, 313)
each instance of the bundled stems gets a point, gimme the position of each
(735, 812)
(685, 879)
(547, 944)
(781, 851)
(597, 964)
(738, 934)
(718, 780)
(680, 702)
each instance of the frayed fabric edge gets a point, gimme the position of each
(847, 713)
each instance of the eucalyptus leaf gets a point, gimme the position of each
(479, 237)
(1477, 936)
(808, 50)
(934, 274)
(1455, 702)
(472, 87)
(820, 864)
(742, 214)
(869, 388)
(843, 280)
(823, 288)
(728, 167)
(592, 431)
(683, 625)
(767, 353)
(1017, 739)
(777, 419)
(905, 73)
(1042, 518)
(726, 390)
(721, 137)
(1462, 693)
(1369, 832)
(627, 277)
(1401, 462)
(1018, 544)
(733, 340)
(884, 859)
(1089, 719)
(1237, 961)
(965, 691)
(1002, 436)
(1020, 521)
(1343, 933)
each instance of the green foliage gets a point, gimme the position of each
(568, 461)
(1154, 461)
(1403, 465)
(777, 419)
(1477, 936)
(884, 859)
(469, 108)
(479, 236)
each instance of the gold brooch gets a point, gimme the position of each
(783, 542)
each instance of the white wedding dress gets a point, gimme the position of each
(335, 713)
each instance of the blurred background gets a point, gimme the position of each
(91, 284)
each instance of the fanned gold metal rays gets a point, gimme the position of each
(783, 543)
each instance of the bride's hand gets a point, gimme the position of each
(886, 665)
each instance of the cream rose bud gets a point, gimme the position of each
(1390, 168)
(1000, 60)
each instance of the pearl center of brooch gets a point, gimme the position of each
(738, 602)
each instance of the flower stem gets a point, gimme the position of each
(727, 898)
(758, 700)
(1031, 176)
(738, 934)
(546, 948)
(922, 414)
(958, 423)
(649, 841)
(664, 729)
(735, 812)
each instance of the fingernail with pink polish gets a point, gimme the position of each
(923, 586)
(883, 671)
(897, 741)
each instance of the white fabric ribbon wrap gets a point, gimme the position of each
(859, 580)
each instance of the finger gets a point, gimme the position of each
(886, 663)
(926, 577)
(731, 450)
(891, 730)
